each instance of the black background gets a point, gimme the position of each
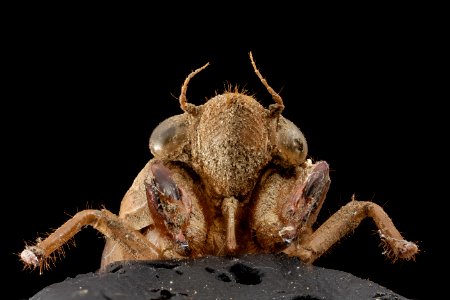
(83, 91)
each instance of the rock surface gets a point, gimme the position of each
(263, 276)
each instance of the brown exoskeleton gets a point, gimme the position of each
(228, 177)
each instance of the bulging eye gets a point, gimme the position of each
(291, 143)
(169, 137)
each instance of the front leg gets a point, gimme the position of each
(114, 228)
(345, 221)
(287, 204)
(174, 199)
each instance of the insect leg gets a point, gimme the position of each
(174, 202)
(104, 221)
(286, 204)
(344, 221)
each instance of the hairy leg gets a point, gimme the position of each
(104, 221)
(343, 222)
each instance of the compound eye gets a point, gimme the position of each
(169, 137)
(291, 143)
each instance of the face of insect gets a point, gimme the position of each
(228, 142)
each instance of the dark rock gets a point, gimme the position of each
(245, 277)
